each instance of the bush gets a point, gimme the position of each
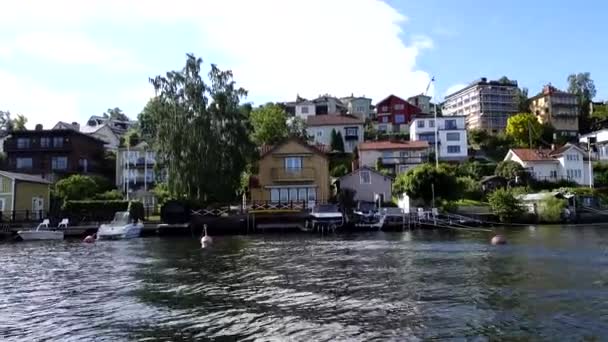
(112, 195)
(551, 209)
(339, 171)
(93, 210)
(471, 189)
(505, 205)
(136, 210)
(476, 169)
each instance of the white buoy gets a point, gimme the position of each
(206, 239)
(499, 240)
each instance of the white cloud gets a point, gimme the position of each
(72, 48)
(276, 48)
(454, 88)
(37, 102)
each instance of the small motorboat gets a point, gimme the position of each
(324, 218)
(43, 232)
(121, 227)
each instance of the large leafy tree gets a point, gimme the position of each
(269, 124)
(523, 100)
(524, 129)
(505, 205)
(296, 127)
(583, 87)
(419, 182)
(116, 113)
(509, 169)
(18, 123)
(202, 133)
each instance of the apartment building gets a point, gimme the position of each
(136, 172)
(451, 133)
(487, 105)
(559, 108)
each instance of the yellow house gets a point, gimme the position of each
(291, 171)
(21, 192)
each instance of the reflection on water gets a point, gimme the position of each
(549, 283)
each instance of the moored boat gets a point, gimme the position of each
(42, 232)
(121, 227)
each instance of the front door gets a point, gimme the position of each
(38, 207)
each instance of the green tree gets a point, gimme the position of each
(600, 173)
(505, 205)
(132, 138)
(333, 140)
(524, 129)
(419, 181)
(18, 123)
(115, 113)
(146, 119)
(551, 209)
(600, 111)
(75, 188)
(471, 188)
(523, 100)
(296, 127)
(339, 171)
(202, 132)
(509, 169)
(269, 124)
(478, 137)
(161, 192)
(583, 87)
(339, 142)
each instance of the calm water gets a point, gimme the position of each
(549, 284)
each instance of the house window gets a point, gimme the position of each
(360, 109)
(293, 194)
(302, 194)
(304, 110)
(450, 124)
(382, 128)
(399, 106)
(384, 109)
(365, 177)
(59, 163)
(420, 124)
(453, 136)
(23, 143)
(553, 174)
(58, 142)
(351, 131)
(293, 163)
(1, 204)
(274, 195)
(453, 149)
(24, 163)
(312, 194)
(319, 133)
(431, 123)
(284, 195)
(579, 174)
(404, 154)
(399, 118)
(45, 142)
(402, 168)
(387, 154)
(384, 119)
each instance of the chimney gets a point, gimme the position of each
(76, 125)
(38, 127)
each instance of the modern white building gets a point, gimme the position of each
(451, 132)
(396, 156)
(359, 106)
(568, 162)
(598, 140)
(135, 172)
(487, 105)
(350, 127)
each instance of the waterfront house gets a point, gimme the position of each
(291, 171)
(136, 174)
(451, 132)
(568, 162)
(350, 127)
(394, 115)
(368, 184)
(396, 156)
(53, 154)
(558, 108)
(23, 193)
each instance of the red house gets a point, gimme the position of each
(395, 114)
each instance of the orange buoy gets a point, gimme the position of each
(89, 239)
(499, 240)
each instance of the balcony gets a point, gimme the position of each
(306, 174)
(403, 160)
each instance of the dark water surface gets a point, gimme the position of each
(549, 283)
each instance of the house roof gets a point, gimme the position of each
(65, 125)
(24, 177)
(317, 148)
(549, 90)
(333, 120)
(393, 145)
(388, 97)
(365, 168)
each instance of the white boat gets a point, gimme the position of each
(43, 232)
(122, 227)
(324, 217)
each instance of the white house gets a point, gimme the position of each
(305, 109)
(451, 133)
(397, 156)
(568, 162)
(599, 143)
(322, 105)
(350, 127)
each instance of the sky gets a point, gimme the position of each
(70, 59)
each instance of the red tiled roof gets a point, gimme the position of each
(333, 119)
(527, 154)
(393, 145)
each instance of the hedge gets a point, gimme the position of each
(80, 211)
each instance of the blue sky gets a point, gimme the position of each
(69, 59)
